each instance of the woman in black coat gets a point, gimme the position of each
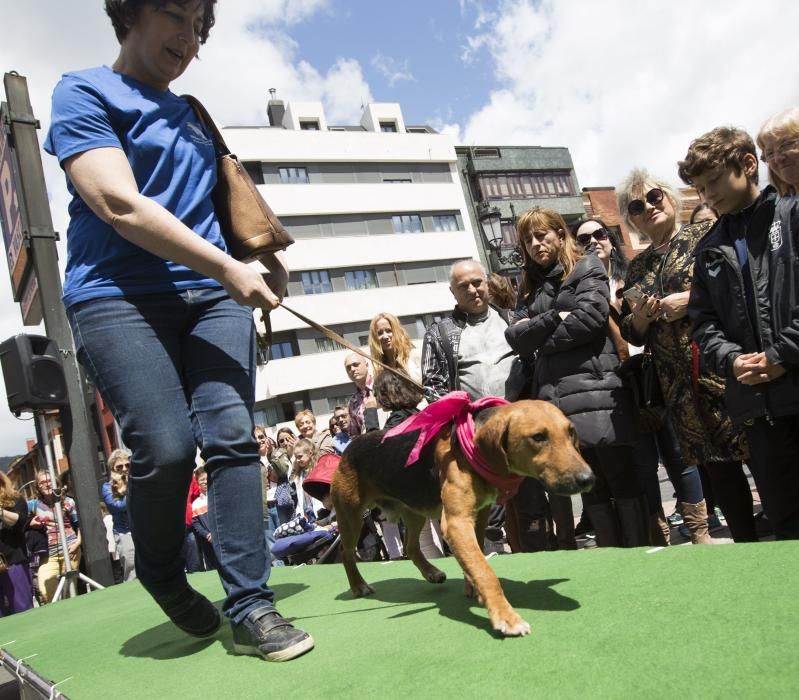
(562, 323)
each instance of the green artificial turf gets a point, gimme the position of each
(712, 621)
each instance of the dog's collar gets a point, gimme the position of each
(457, 407)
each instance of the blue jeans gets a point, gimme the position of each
(178, 371)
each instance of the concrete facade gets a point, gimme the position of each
(378, 215)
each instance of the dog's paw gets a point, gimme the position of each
(436, 576)
(511, 626)
(363, 590)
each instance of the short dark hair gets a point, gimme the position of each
(724, 145)
(124, 13)
(701, 207)
(617, 256)
(393, 392)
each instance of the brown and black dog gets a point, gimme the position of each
(528, 438)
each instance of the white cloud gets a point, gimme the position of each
(625, 84)
(391, 69)
(249, 51)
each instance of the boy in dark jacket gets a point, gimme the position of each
(745, 307)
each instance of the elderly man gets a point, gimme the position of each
(467, 350)
(357, 369)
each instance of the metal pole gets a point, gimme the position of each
(81, 444)
(44, 444)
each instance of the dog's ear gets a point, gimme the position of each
(491, 438)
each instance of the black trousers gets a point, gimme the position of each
(614, 468)
(774, 463)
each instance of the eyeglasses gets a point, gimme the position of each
(584, 239)
(260, 438)
(781, 150)
(637, 206)
(119, 466)
(339, 418)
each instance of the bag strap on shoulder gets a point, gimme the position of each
(208, 124)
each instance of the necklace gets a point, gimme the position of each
(658, 248)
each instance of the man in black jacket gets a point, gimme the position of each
(745, 307)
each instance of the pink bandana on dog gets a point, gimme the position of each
(456, 407)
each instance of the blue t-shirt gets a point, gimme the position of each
(172, 159)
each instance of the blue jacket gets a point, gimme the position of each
(118, 507)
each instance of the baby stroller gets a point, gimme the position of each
(321, 545)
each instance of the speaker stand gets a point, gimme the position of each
(66, 581)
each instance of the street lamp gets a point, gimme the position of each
(490, 219)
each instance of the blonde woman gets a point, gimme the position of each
(305, 458)
(115, 497)
(390, 343)
(322, 439)
(16, 589)
(778, 142)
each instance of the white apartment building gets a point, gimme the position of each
(378, 214)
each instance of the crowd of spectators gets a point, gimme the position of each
(711, 303)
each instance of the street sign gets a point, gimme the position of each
(31, 303)
(10, 214)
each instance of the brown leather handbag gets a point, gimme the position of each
(248, 224)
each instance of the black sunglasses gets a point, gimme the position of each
(584, 239)
(637, 206)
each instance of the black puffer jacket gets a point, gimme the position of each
(575, 360)
(723, 326)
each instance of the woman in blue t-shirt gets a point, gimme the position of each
(161, 314)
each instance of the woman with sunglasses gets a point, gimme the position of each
(656, 317)
(115, 492)
(563, 323)
(778, 142)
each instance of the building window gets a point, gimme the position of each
(333, 401)
(398, 179)
(445, 222)
(292, 408)
(424, 322)
(254, 170)
(410, 223)
(363, 340)
(509, 236)
(527, 185)
(326, 345)
(485, 153)
(360, 279)
(277, 351)
(269, 415)
(388, 127)
(309, 124)
(293, 176)
(316, 282)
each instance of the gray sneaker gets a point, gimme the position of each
(266, 633)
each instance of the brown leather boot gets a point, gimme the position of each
(695, 517)
(659, 529)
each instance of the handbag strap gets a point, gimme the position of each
(208, 124)
(336, 338)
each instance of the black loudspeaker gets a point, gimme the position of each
(33, 373)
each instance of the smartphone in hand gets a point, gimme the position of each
(633, 295)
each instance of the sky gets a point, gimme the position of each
(621, 84)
